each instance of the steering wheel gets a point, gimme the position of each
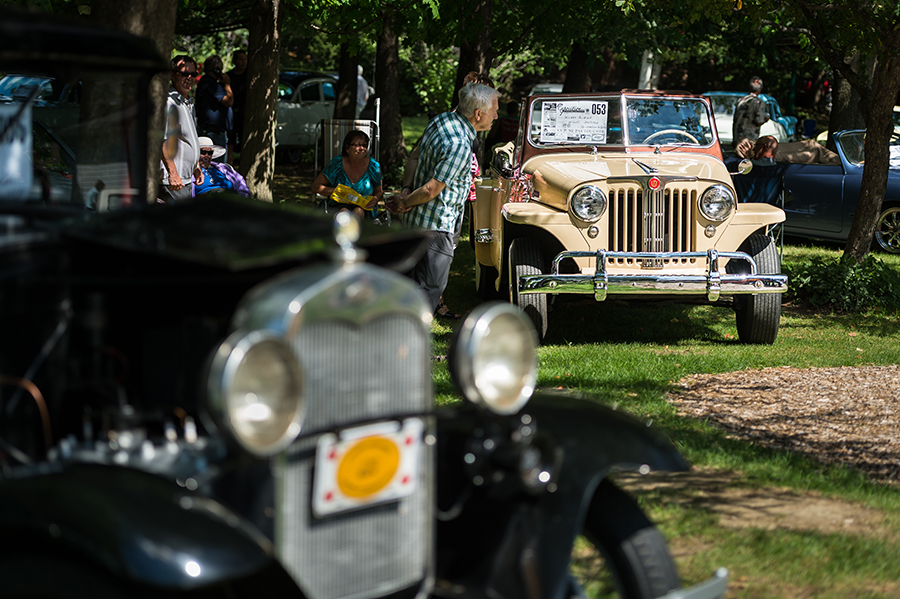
(674, 132)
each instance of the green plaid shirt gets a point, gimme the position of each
(446, 155)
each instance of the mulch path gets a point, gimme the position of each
(848, 416)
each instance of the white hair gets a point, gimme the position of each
(476, 96)
(359, 70)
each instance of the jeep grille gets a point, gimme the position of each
(641, 220)
(366, 356)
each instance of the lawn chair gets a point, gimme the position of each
(330, 135)
(764, 184)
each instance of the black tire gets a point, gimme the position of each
(887, 231)
(758, 316)
(293, 155)
(525, 258)
(634, 550)
(484, 281)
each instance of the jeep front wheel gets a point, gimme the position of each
(525, 258)
(758, 316)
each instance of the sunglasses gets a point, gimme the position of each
(186, 73)
(206, 152)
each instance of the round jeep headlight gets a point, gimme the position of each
(588, 204)
(494, 357)
(255, 392)
(717, 203)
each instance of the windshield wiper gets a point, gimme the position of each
(648, 170)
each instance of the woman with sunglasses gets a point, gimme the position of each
(217, 176)
(353, 168)
(181, 150)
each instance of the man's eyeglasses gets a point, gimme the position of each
(206, 152)
(186, 73)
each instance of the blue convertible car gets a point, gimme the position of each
(820, 200)
(821, 189)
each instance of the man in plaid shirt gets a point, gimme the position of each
(441, 185)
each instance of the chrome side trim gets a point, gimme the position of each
(712, 284)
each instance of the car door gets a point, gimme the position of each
(312, 101)
(818, 199)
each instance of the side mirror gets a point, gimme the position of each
(501, 164)
(744, 167)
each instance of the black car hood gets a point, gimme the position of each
(237, 234)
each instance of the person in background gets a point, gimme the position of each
(93, 195)
(506, 128)
(764, 151)
(214, 100)
(353, 168)
(238, 78)
(181, 149)
(442, 182)
(749, 115)
(409, 171)
(362, 91)
(217, 176)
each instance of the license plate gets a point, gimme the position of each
(366, 466)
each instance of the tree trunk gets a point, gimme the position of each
(475, 53)
(387, 82)
(879, 128)
(153, 19)
(845, 112)
(345, 101)
(577, 71)
(258, 145)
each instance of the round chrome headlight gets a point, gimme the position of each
(717, 203)
(588, 204)
(494, 357)
(255, 392)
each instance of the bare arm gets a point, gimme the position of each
(419, 196)
(322, 186)
(225, 80)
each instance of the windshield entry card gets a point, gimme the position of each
(576, 121)
(15, 152)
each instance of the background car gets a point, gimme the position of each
(546, 88)
(624, 196)
(304, 98)
(781, 127)
(56, 104)
(820, 200)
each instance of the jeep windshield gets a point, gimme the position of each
(60, 138)
(620, 120)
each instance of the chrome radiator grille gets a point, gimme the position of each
(643, 220)
(364, 344)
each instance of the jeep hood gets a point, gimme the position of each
(556, 175)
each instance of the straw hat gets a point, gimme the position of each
(218, 151)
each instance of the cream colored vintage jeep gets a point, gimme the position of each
(624, 195)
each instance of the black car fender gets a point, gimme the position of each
(139, 527)
(523, 533)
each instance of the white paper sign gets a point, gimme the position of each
(576, 121)
(15, 153)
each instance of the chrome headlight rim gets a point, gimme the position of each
(224, 368)
(705, 204)
(588, 204)
(468, 365)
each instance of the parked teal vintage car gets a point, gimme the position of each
(782, 127)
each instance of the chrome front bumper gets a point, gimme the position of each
(712, 284)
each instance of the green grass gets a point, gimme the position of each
(635, 356)
(413, 126)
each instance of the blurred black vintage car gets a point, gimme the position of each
(223, 398)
